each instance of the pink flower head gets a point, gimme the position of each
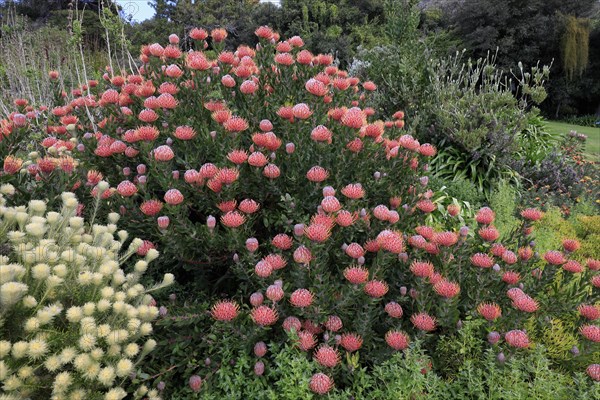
(173, 197)
(225, 310)
(517, 338)
(376, 288)
(489, 311)
(321, 383)
(423, 321)
(301, 298)
(397, 340)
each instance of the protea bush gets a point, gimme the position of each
(262, 175)
(74, 318)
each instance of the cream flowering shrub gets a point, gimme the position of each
(74, 321)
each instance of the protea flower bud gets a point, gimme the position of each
(211, 222)
(195, 383)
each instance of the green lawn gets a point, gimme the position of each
(592, 145)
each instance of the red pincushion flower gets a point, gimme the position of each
(525, 303)
(423, 321)
(321, 383)
(381, 212)
(489, 311)
(225, 310)
(351, 341)
(356, 275)
(317, 174)
(321, 134)
(426, 206)
(391, 241)
(509, 257)
(145, 247)
(274, 293)
(445, 238)
(354, 118)
(248, 206)
(163, 153)
(345, 218)
(276, 260)
(235, 124)
(330, 204)
(327, 356)
(593, 265)
(263, 269)
(376, 288)
(554, 257)
(485, 216)
(591, 332)
(301, 298)
(218, 34)
(517, 338)
(573, 267)
(446, 288)
(355, 145)
(282, 241)
(306, 340)
(513, 293)
(248, 87)
(237, 156)
(482, 260)
(427, 150)
(257, 159)
(453, 209)
(198, 34)
(292, 323)
(422, 269)
(334, 323)
(264, 315)
(589, 311)
(12, 165)
(511, 277)
(317, 232)
(126, 189)
(302, 255)
(148, 115)
(397, 340)
(355, 250)
(151, 207)
(284, 59)
(353, 191)
(593, 371)
(525, 253)
(316, 87)
(233, 219)
(271, 171)
(532, 214)
(489, 233)
(260, 349)
(571, 245)
(394, 309)
(173, 197)
(228, 175)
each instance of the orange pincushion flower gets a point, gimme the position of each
(394, 309)
(185, 132)
(421, 269)
(276, 260)
(316, 87)
(151, 207)
(376, 288)
(321, 134)
(356, 275)
(248, 206)
(482, 260)
(218, 34)
(282, 241)
(353, 191)
(532, 214)
(12, 165)
(446, 288)
(354, 118)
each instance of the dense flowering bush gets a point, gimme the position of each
(260, 174)
(74, 322)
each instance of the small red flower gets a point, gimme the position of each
(554, 257)
(334, 323)
(376, 288)
(591, 332)
(301, 298)
(423, 321)
(317, 174)
(264, 315)
(327, 356)
(485, 216)
(356, 275)
(422, 269)
(394, 309)
(233, 219)
(589, 311)
(517, 338)
(225, 310)
(482, 260)
(489, 311)
(321, 383)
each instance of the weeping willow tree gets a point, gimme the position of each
(575, 45)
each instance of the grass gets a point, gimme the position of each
(592, 145)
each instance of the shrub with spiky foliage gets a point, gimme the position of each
(74, 319)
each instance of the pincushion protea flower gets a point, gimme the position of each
(264, 315)
(593, 371)
(421, 269)
(554, 257)
(589, 311)
(282, 241)
(394, 309)
(590, 332)
(317, 174)
(397, 340)
(195, 383)
(485, 216)
(489, 311)
(446, 288)
(573, 267)
(225, 310)
(356, 275)
(525, 303)
(334, 323)
(376, 288)
(151, 207)
(423, 321)
(306, 340)
(301, 298)
(571, 245)
(489, 233)
(321, 383)
(233, 219)
(173, 197)
(327, 356)
(292, 323)
(517, 338)
(482, 260)
(511, 277)
(532, 214)
(351, 341)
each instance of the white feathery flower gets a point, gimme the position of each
(131, 350)
(37, 206)
(89, 308)
(152, 255)
(103, 330)
(106, 376)
(67, 355)
(4, 371)
(19, 349)
(40, 271)
(74, 314)
(60, 270)
(115, 394)
(37, 349)
(103, 305)
(97, 354)
(124, 367)
(7, 189)
(52, 363)
(11, 293)
(32, 325)
(87, 341)
(5, 346)
(29, 302)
